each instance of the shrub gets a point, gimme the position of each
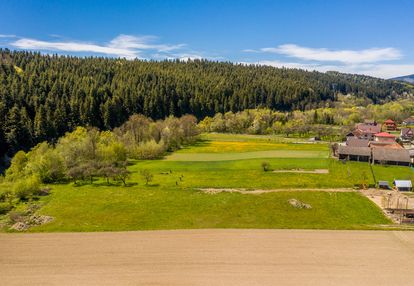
(5, 195)
(265, 166)
(26, 189)
(18, 164)
(147, 176)
(46, 163)
(148, 150)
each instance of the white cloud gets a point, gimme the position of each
(7, 36)
(141, 43)
(31, 44)
(367, 61)
(126, 46)
(344, 56)
(376, 70)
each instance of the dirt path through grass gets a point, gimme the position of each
(209, 257)
(258, 192)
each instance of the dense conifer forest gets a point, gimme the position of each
(44, 96)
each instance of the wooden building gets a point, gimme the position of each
(407, 134)
(365, 131)
(408, 121)
(362, 154)
(390, 125)
(389, 156)
(357, 142)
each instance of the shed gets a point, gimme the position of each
(403, 185)
(384, 185)
(354, 153)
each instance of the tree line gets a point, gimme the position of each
(329, 122)
(44, 96)
(88, 153)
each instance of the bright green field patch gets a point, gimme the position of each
(249, 146)
(91, 208)
(245, 155)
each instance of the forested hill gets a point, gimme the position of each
(43, 96)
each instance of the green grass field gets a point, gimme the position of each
(102, 208)
(172, 201)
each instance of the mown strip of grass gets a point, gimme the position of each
(246, 155)
(207, 146)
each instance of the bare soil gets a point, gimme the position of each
(258, 191)
(393, 199)
(209, 257)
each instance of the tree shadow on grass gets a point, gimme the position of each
(103, 184)
(81, 184)
(152, 185)
(114, 184)
(198, 143)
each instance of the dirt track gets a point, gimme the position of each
(258, 192)
(209, 257)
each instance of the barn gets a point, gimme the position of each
(362, 154)
(389, 156)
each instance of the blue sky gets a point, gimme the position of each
(367, 37)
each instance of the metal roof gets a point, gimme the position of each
(403, 184)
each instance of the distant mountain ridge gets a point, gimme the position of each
(406, 78)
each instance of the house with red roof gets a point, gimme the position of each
(384, 137)
(366, 143)
(390, 125)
